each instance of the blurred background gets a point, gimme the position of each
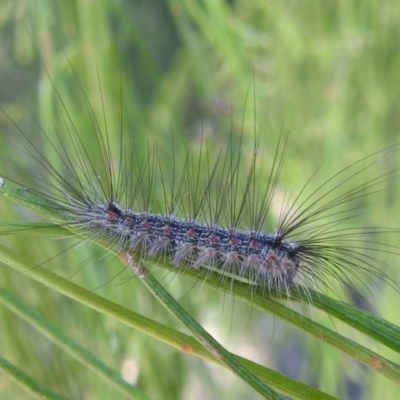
(327, 73)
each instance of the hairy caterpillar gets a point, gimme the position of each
(207, 217)
(203, 225)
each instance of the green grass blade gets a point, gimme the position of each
(74, 349)
(202, 336)
(267, 304)
(152, 328)
(27, 383)
(371, 325)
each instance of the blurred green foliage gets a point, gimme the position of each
(326, 72)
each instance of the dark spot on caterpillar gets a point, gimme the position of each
(113, 211)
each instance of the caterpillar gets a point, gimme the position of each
(214, 211)
(203, 225)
